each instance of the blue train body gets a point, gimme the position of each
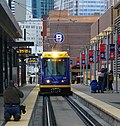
(55, 74)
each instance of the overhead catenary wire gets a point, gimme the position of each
(59, 16)
(24, 6)
(58, 21)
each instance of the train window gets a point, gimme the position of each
(55, 67)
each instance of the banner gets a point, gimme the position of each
(118, 38)
(102, 51)
(83, 56)
(118, 49)
(118, 44)
(102, 47)
(112, 52)
(91, 60)
(83, 60)
(102, 56)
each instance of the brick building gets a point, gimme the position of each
(76, 30)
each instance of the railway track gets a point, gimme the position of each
(48, 113)
(79, 112)
(62, 111)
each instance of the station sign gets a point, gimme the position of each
(58, 37)
(32, 60)
(23, 50)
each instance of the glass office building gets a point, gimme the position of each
(42, 7)
(82, 7)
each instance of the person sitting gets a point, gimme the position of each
(12, 97)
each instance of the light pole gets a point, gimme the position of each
(116, 58)
(86, 65)
(36, 69)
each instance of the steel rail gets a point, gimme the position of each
(76, 108)
(48, 113)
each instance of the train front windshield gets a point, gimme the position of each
(55, 67)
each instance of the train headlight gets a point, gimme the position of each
(47, 81)
(63, 81)
(55, 54)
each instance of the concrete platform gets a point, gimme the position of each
(107, 97)
(105, 105)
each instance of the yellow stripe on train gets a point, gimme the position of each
(55, 55)
(55, 86)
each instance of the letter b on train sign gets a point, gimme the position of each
(58, 37)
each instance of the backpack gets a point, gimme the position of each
(94, 84)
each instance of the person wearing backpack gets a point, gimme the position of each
(111, 79)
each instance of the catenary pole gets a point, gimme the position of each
(81, 67)
(86, 65)
(95, 48)
(107, 58)
(116, 58)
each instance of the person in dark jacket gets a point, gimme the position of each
(111, 79)
(12, 97)
(101, 80)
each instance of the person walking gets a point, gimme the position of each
(111, 79)
(12, 97)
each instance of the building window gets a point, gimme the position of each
(32, 26)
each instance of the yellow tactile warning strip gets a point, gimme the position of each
(54, 86)
(29, 102)
(102, 105)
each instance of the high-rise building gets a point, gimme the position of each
(31, 29)
(13, 7)
(42, 7)
(59, 4)
(18, 8)
(82, 7)
(112, 2)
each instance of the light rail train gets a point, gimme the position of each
(55, 74)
